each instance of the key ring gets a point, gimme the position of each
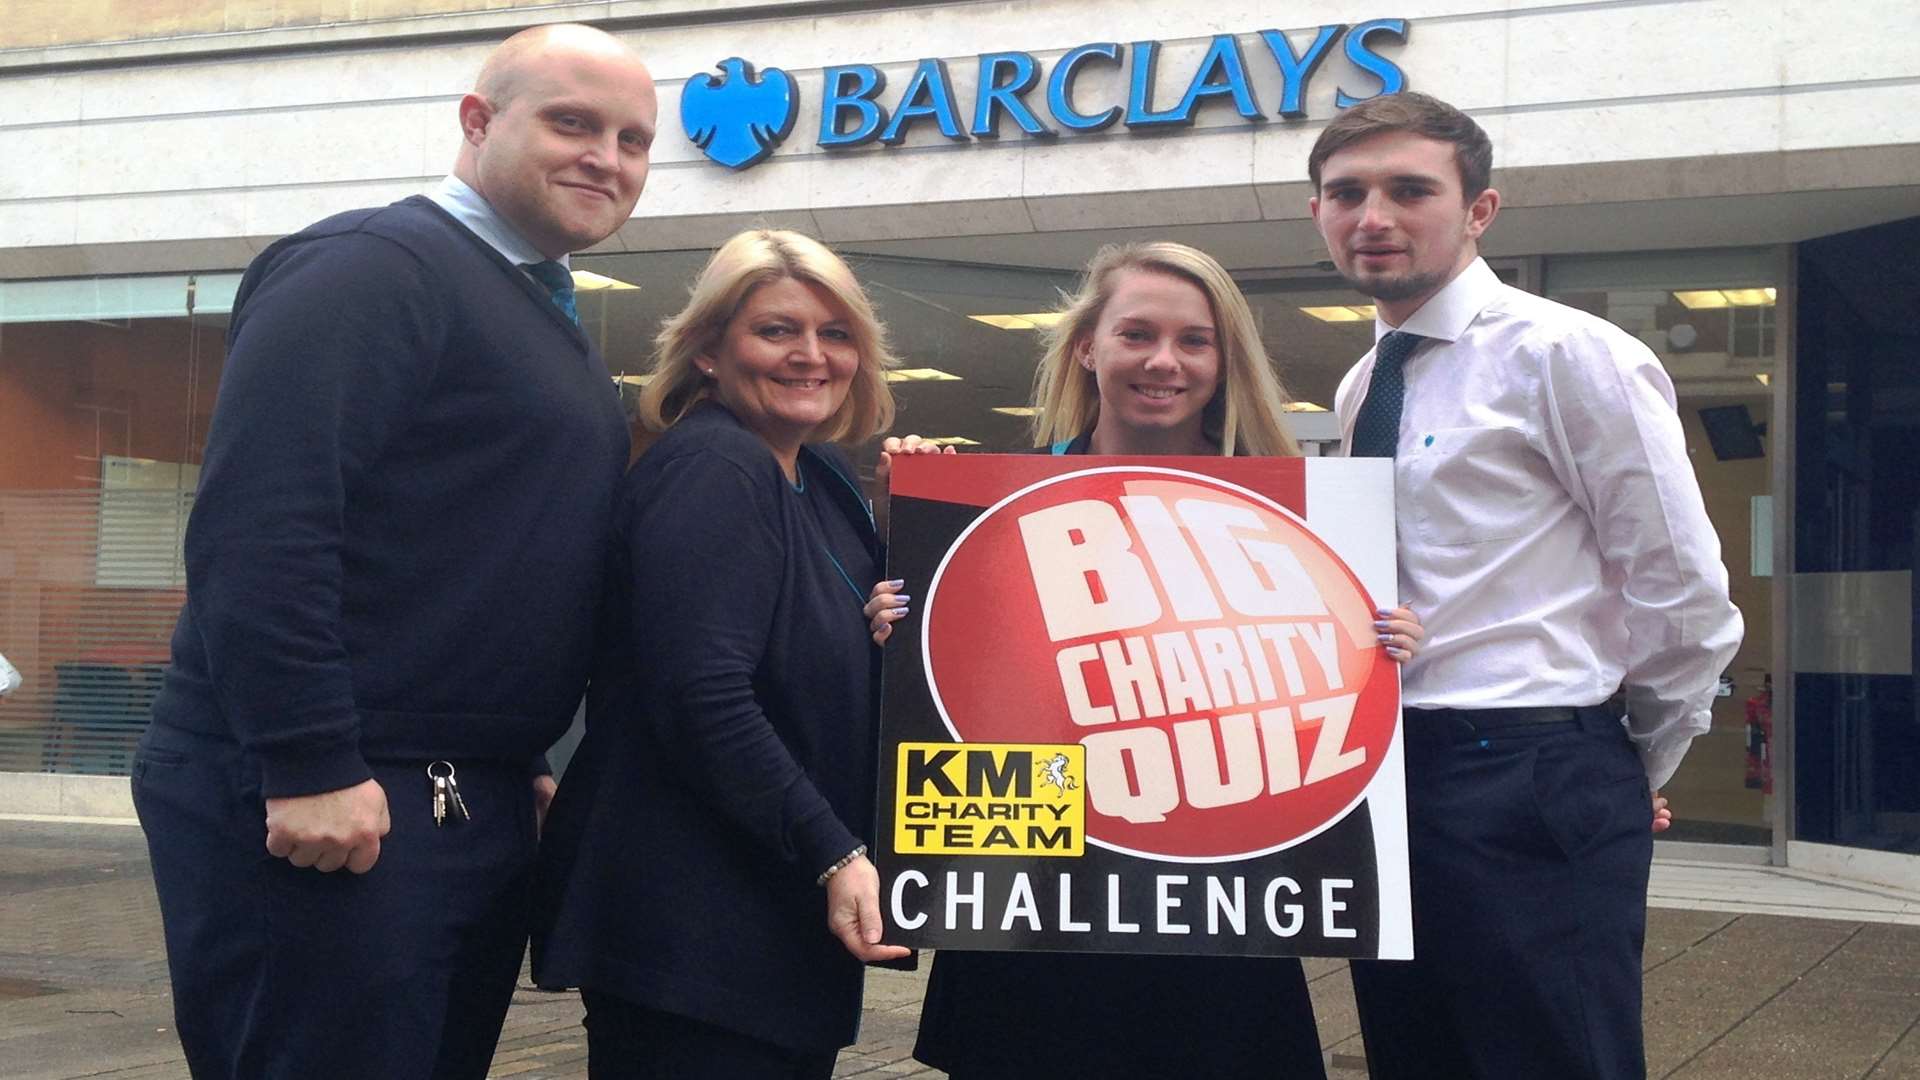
(432, 765)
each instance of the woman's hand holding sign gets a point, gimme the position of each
(896, 446)
(886, 605)
(1400, 632)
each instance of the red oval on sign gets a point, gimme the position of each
(1216, 659)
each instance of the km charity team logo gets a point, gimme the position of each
(740, 117)
(1213, 658)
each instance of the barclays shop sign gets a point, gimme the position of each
(738, 117)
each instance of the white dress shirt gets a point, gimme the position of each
(478, 215)
(1551, 532)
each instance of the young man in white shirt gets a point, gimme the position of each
(1552, 535)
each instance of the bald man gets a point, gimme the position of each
(392, 565)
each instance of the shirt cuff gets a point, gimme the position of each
(1663, 760)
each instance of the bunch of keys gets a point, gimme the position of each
(446, 794)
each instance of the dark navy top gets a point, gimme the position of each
(730, 748)
(397, 546)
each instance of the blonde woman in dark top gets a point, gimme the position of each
(705, 879)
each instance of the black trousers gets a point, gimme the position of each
(632, 1042)
(281, 972)
(1530, 849)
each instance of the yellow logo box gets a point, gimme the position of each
(990, 799)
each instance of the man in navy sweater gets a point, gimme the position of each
(392, 566)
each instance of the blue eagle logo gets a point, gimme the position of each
(740, 117)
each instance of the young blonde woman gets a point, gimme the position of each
(1157, 353)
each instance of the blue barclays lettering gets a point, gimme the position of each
(996, 97)
(837, 98)
(1296, 69)
(929, 93)
(1360, 55)
(1060, 88)
(737, 119)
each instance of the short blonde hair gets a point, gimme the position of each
(1244, 415)
(745, 262)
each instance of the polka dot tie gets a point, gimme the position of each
(1377, 432)
(559, 283)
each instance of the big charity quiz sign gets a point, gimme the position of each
(1141, 707)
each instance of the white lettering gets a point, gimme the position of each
(900, 917)
(1066, 571)
(1329, 907)
(1109, 786)
(1296, 915)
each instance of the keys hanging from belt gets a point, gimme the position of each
(446, 794)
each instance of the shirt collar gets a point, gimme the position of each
(470, 209)
(1447, 313)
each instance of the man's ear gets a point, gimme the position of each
(476, 113)
(1481, 212)
(1313, 208)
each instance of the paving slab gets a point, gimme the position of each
(83, 990)
(1903, 1061)
(1697, 996)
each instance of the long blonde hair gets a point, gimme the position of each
(746, 261)
(1244, 415)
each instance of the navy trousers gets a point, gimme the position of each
(282, 973)
(1530, 849)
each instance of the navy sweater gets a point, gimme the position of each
(729, 754)
(398, 540)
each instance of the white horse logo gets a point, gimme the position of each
(1054, 771)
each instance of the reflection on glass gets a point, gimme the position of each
(106, 386)
(1711, 322)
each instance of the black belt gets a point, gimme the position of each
(1451, 725)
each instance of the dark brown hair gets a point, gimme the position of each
(1420, 114)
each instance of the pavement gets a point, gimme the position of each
(1752, 973)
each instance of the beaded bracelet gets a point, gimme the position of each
(844, 862)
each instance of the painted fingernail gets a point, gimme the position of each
(1381, 624)
(897, 584)
(1385, 639)
(902, 598)
(899, 611)
(1383, 612)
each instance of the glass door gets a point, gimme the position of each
(1857, 527)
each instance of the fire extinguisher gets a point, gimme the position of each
(1760, 738)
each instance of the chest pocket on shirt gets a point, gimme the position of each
(1469, 486)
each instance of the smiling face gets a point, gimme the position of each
(564, 157)
(784, 362)
(1396, 221)
(1155, 356)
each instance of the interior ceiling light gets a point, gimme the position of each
(1342, 313)
(1765, 379)
(921, 374)
(1032, 320)
(951, 440)
(1706, 299)
(1017, 410)
(1302, 406)
(588, 281)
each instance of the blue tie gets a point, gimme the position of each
(1377, 431)
(559, 283)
